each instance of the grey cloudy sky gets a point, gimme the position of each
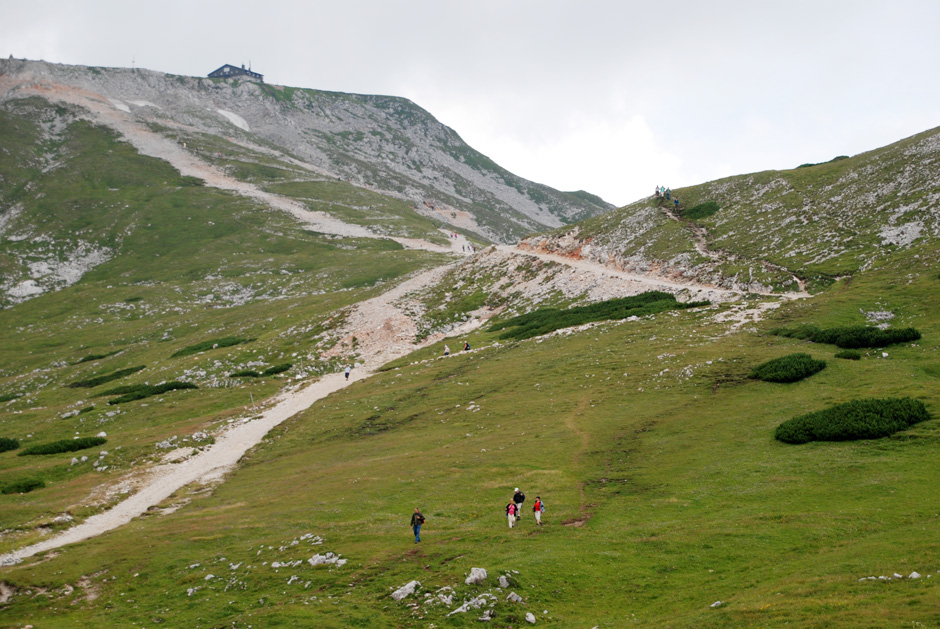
(613, 97)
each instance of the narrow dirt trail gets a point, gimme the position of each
(385, 333)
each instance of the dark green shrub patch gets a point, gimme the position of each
(131, 300)
(23, 486)
(790, 368)
(6, 397)
(859, 419)
(850, 337)
(91, 357)
(64, 445)
(276, 369)
(93, 382)
(546, 320)
(7, 444)
(207, 345)
(702, 210)
(245, 373)
(849, 354)
(141, 391)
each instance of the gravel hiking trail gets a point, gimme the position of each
(383, 331)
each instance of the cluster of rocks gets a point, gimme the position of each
(895, 576)
(485, 601)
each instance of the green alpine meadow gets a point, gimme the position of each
(304, 290)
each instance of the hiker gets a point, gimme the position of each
(348, 369)
(416, 521)
(657, 192)
(511, 513)
(446, 351)
(466, 346)
(668, 193)
(518, 498)
(538, 508)
(677, 203)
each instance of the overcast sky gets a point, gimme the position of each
(609, 96)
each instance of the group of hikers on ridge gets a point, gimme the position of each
(513, 513)
(514, 508)
(662, 192)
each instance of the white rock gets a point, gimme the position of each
(477, 575)
(898, 576)
(530, 618)
(74, 461)
(406, 590)
(515, 598)
(913, 575)
(717, 604)
(503, 582)
(102, 434)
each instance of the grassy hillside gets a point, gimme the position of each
(816, 222)
(186, 265)
(653, 450)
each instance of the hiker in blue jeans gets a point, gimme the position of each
(416, 521)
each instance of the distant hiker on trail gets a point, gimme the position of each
(657, 192)
(416, 521)
(511, 513)
(466, 346)
(348, 369)
(518, 498)
(677, 203)
(539, 509)
(668, 193)
(446, 351)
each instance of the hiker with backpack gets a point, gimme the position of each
(416, 521)
(518, 498)
(538, 508)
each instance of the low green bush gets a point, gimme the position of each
(7, 444)
(245, 373)
(64, 445)
(790, 368)
(849, 354)
(859, 419)
(6, 397)
(702, 210)
(850, 337)
(97, 380)
(546, 320)
(228, 341)
(276, 369)
(23, 486)
(140, 391)
(91, 357)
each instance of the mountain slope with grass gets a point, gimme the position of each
(636, 419)
(382, 143)
(776, 229)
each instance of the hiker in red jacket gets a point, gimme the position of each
(538, 508)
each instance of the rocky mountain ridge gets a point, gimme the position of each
(383, 143)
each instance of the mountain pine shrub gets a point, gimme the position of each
(850, 337)
(91, 357)
(23, 486)
(849, 354)
(858, 419)
(245, 373)
(228, 341)
(93, 382)
(702, 210)
(276, 369)
(133, 392)
(8, 444)
(6, 397)
(547, 320)
(64, 445)
(790, 368)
